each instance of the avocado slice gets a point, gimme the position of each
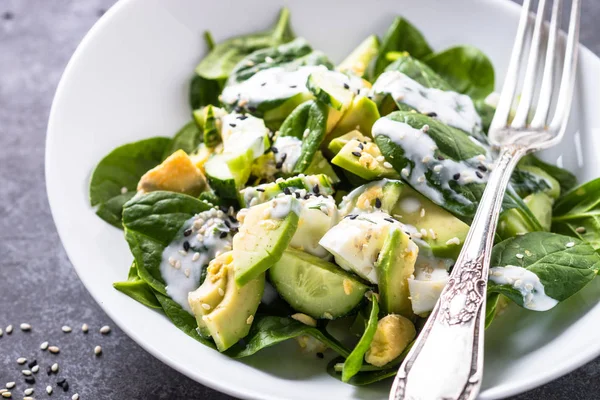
(316, 287)
(441, 227)
(266, 232)
(359, 59)
(365, 160)
(395, 266)
(336, 144)
(361, 115)
(224, 310)
(379, 195)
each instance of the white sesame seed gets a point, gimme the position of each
(405, 172)
(25, 327)
(26, 372)
(438, 168)
(35, 369)
(580, 229)
(66, 329)
(123, 190)
(268, 59)
(187, 272)
(221, 292)
(44, 346)
(421, 179)
(54, 367)
(3, 390)
(416, 235)
(426, 159)
(250, 320)
(433, 234)
(519, 256)
(425, 128)
(183, 252)
(75, 396)
(423, 232)
(9, 329)
(21, 360)
(422, 212)
(97, 350)
(387, 164)
(570, 244)
(54, 349)
(49, 389)
(28, 398)
(85, 328)
(177, 264)
(380, 158)
(105, 330)
(7, 395)
(327, 315)
(10, 385)
(196, 256)
(528, 286)
(454, 240)
(206, 306)
(28, 391)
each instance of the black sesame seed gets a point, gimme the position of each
(316, 189)
(263, 84)
(61, 382)
(224, 209)
(346, 86)
(283, 157)
(479, 175)
(356, 153)
(431, 114)
(353, 216)
(260, 189)
(482, 168)
(320, 355)
(440, 158)
(278, 165)
(66, 387)
(378, 202)
(232, 218)
(274, 150)
(49, 371)
(297, 195)
(232, 125)
(227, 223)
(233, 230)
(238, 109)
(293, 86)
(287, 190)
(360, 146)
(307, 196)
(389, 220)
(223, 235)
(242, 117)
(32, 364)
(187, 232)
(8, 15)
(30, 380)
(456, 176)
(251, 108)
(186, 245)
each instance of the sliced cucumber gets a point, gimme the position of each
(267, 231)
(315, 287)
(220, 178)
(321, 184)
(331, 88)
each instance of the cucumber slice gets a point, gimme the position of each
(266, 232)
(220, 178)
(321, 184)
(331, 88)
(315, 287)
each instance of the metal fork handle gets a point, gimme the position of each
(446, 361)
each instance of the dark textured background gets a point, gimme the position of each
(38, 284)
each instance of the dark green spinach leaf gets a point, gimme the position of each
(354, 361)
(204, 92)
(418, 71)
(564, 265)
(466, 69)
(565, 178)
(400, 36)
(267, 331)
(111, 211)
(221, 60)
(577, 213)
(139, 291)
(187, 139)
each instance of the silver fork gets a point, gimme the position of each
(446, 361)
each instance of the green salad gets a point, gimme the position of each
(327, 203)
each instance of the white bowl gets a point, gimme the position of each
(128, 80)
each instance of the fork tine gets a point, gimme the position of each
(565, 95)
(520, 119)
(545, 99)
(512, 75)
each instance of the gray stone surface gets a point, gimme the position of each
(38, 284)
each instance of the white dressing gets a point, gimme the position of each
(420, 149)
(430, 277)
(452, 108)
(317, 217)
(283, 206)
(288, 150)
(241, 133)
(206, 235)
(526, 282)
(269, 84)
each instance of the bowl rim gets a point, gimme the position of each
(499, 391)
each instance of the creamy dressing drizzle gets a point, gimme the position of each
(420, 149)
(181, 269)
(318, 215)
(452, 108)
(289, 149)
(270, 84)
(283, 205)
(526, 282)
(242, 132)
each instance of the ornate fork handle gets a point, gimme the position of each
(450, 347)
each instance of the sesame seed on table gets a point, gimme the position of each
(46, 315)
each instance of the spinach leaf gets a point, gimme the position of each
(577, 213)
(418, 71)
(182, 319)
(204, 92)
(212, 135)
(290, 55)
(354, 361)
(121, 170)
(466, 68)
(562, 269)
(525, 183)
(400, 36)
(267, 331)
(310, 117)
(187, 139)
(151, 222)
(221, 60)
(565, 178)
(139, 291)
(209, 39)
(491, 308)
